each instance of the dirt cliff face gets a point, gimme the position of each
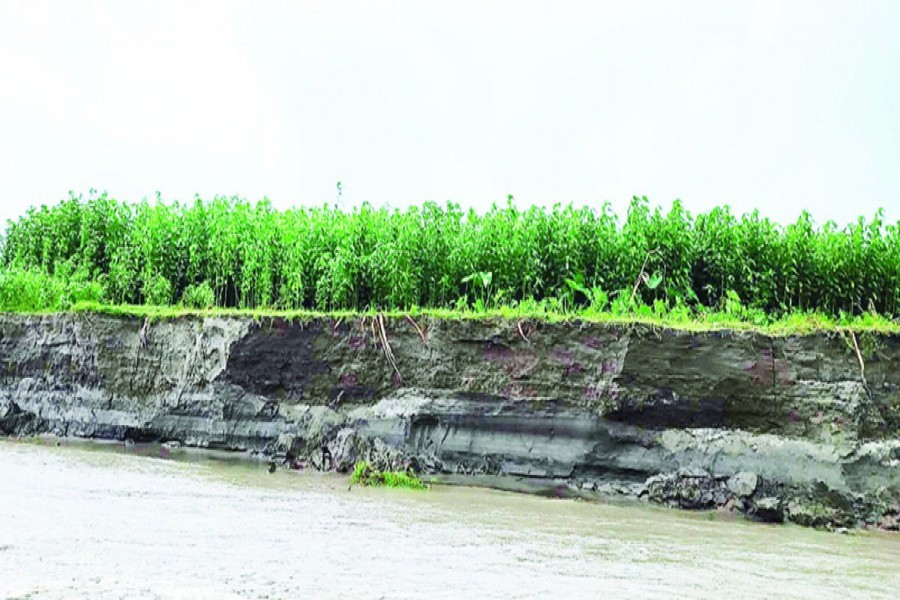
(802, 428)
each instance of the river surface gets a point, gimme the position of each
(104, 521)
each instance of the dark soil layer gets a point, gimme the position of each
(805, 428)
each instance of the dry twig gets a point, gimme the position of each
(642, 275)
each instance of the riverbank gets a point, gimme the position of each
(804, 428)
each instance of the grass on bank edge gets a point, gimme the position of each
(366, 475)
(797, 323)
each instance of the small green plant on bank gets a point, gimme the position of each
(481, 282)
(199, 296)
(364, 474)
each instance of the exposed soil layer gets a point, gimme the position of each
(805, 428)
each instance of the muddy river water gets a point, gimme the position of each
(105, 521)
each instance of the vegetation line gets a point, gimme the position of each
(565, 262)
(791, 324)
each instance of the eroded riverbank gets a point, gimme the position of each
(107, 523)
(799, 428)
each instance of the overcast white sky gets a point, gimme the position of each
(776, 105)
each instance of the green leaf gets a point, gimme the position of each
(654, 280)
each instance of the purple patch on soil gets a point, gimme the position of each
(592, 392)
(348, 380)
(498, 354)
(280, 329)
(516, 364)
(357, 342)
(566, 357)
(593, 343)
(609, 365)
(760, 371)
(573, 369)
(769, 370)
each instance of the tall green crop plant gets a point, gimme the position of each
(798, 268)
(605, 270)
(760, 261)
(892, 270)
(717, 266)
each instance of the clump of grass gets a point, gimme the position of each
(365, 474)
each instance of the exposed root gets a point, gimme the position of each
(418, 330)
(387, 347)
(522, 333)
(862, 365)
(143, 334)
(337, 400)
